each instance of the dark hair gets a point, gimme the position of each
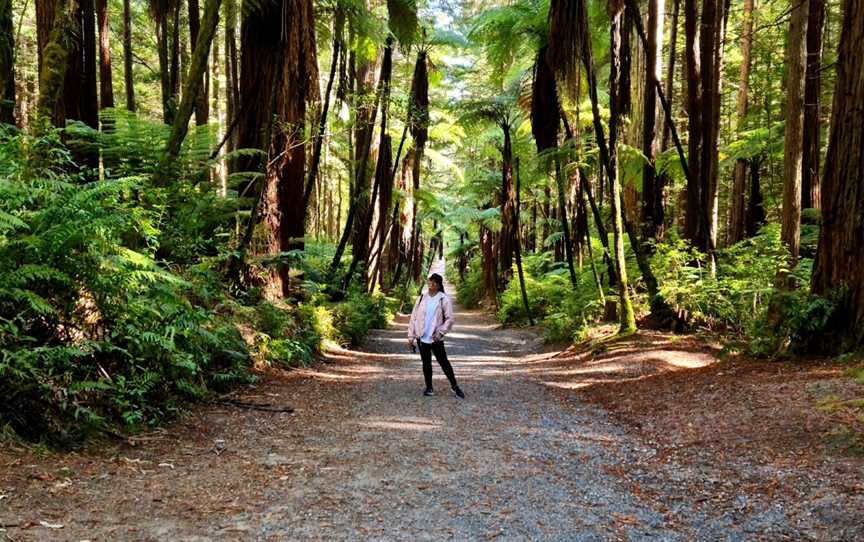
(438, 280)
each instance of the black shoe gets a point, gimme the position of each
(458, 392)
(428, 392)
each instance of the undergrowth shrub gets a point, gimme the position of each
(95, 332)
(470, 291)
(563, 311)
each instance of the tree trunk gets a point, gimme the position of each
(710, 53)
(162, 37)
(232, 77)
(190, 93)
(202, 107)
(174, 81)
(739, 182)
(839, 265)
(363, 132)
(7, 64)
(382, 168)
(106, 87)
(627, 318)
(80, 100)
(337, 51)
(508, 209)
(694, 226)
(127, 56)
(518, 250)
(358, 204)
(670, 70)
(652, 185)
(54, 46)
(810, 195)
(796, 58)
(545, 122)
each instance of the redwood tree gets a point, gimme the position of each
(106, 90)
(796, 55)
(652, 184)
(7, 64)
(839, 265)
(737, 217)
(810, 194)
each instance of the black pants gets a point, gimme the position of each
(426, 351)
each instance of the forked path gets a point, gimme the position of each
(365, 456)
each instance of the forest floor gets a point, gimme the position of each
(648, 437)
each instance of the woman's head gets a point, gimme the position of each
(435, 283)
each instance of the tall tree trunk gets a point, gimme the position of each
(419, 123)
(670, 69)
(545, 122)
(202, 107)
(839, 265)
(627, 318)
(297, 84)
(710, 53)
(359, 199)
(80, 101)
(162, 38)
(796, 58)
(694, 226)
(232, 77)
(127, 56)
(652, 185)
(810, 194)
(7, 64)
(508, 209)
(382, 168)
(518, 248)
(174, 71)
(106, 87)
(739, 182)
(337, 51)
(55, 22)
(363, 131)
(190, 92)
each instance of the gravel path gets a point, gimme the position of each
(366, 456)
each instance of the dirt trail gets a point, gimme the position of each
(365, 456)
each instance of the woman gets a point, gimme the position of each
(431, 319)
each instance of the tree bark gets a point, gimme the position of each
(709, 62)
(55, 20)
(337, 51)
(652, 185)
(810, 194)
(518, 250)
(80, 97)
(739, 182)
(694, 226)
(7, 64)
(796, 58)
(127, 56)
(363, 131)
(106, 87)
(232, 77)
(508, 233)
(839, 265)
(190, 93)
(627, 318)
(202, 107)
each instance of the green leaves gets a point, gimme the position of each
(403, 20)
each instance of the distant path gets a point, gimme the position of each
(366, 456)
